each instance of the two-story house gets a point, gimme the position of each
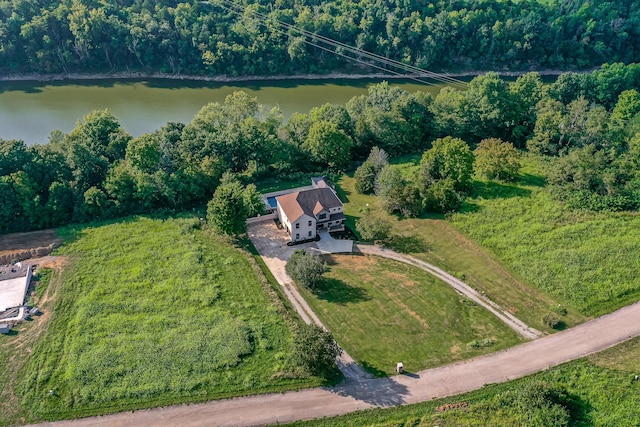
(306, 212)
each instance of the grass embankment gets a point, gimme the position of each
(155, 312)
(435, 239)
(596, 391)
(383, 312)
(586, 260)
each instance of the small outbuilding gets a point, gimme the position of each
(5, 328)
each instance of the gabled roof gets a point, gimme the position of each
(308, 202)
(319, 182)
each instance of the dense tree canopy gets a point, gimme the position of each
(209, 39)
(587, 126)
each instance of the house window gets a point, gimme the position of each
(322, 216)
(297, 225)
(309, 223)
(309, 233)
(297, 236)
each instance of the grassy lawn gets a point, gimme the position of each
(436, 240)
(599, 391)
(151, 312)
(277, 184)
(383, 312)
(583, 259)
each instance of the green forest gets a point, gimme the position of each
(263, 38)
(584, 127)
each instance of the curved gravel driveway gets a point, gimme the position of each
(359, 393)
(505, 316)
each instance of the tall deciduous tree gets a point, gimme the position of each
(496, 159)
(329, 145)
(368, 172)
(227, 212)
(448, 158)
(373, 227)
(315, 351)
(390, 187)
(305, 268)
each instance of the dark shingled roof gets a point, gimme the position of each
(295, 204)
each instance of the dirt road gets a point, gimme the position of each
(445, 381)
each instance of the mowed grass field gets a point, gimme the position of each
(151, 312)
(382, 312)
(437, 240)
(597, 391)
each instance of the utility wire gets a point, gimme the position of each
(233, 7)
(373, 56)
(341, 54)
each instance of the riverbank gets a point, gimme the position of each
(234, 79)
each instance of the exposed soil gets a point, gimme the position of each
(28, 334)
(21, 246)
(223, 78)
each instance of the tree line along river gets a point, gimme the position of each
(30, 110)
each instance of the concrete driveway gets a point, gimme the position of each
(329, 245)
(271, 244)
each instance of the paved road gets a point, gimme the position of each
(445, 381)
(505, 316)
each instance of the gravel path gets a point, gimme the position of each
(509, 319)
(362, 393)
(271, 244)
(450, 380)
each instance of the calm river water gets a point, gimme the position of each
(31, 110)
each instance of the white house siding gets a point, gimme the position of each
(283, 218)
(304, 229)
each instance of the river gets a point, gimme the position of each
(29, 111)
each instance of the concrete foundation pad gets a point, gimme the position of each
(12, 292)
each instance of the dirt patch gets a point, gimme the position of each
(455, 349)
(355, 262)
(21, 246)
(399, 277)
(32, 239)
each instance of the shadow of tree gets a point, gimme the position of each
(579, 410)
(381, 392)
(338, 292)
(495, 190)
(378, 373)
(407, 244)
(343, 194)
(532, 180)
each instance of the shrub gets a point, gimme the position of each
(373, 228)
(483, 343)
(306, 269)
(552, 321)
(315, 351)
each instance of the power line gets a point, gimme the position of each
(341, 54)
(233, 7)
(369, 55)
